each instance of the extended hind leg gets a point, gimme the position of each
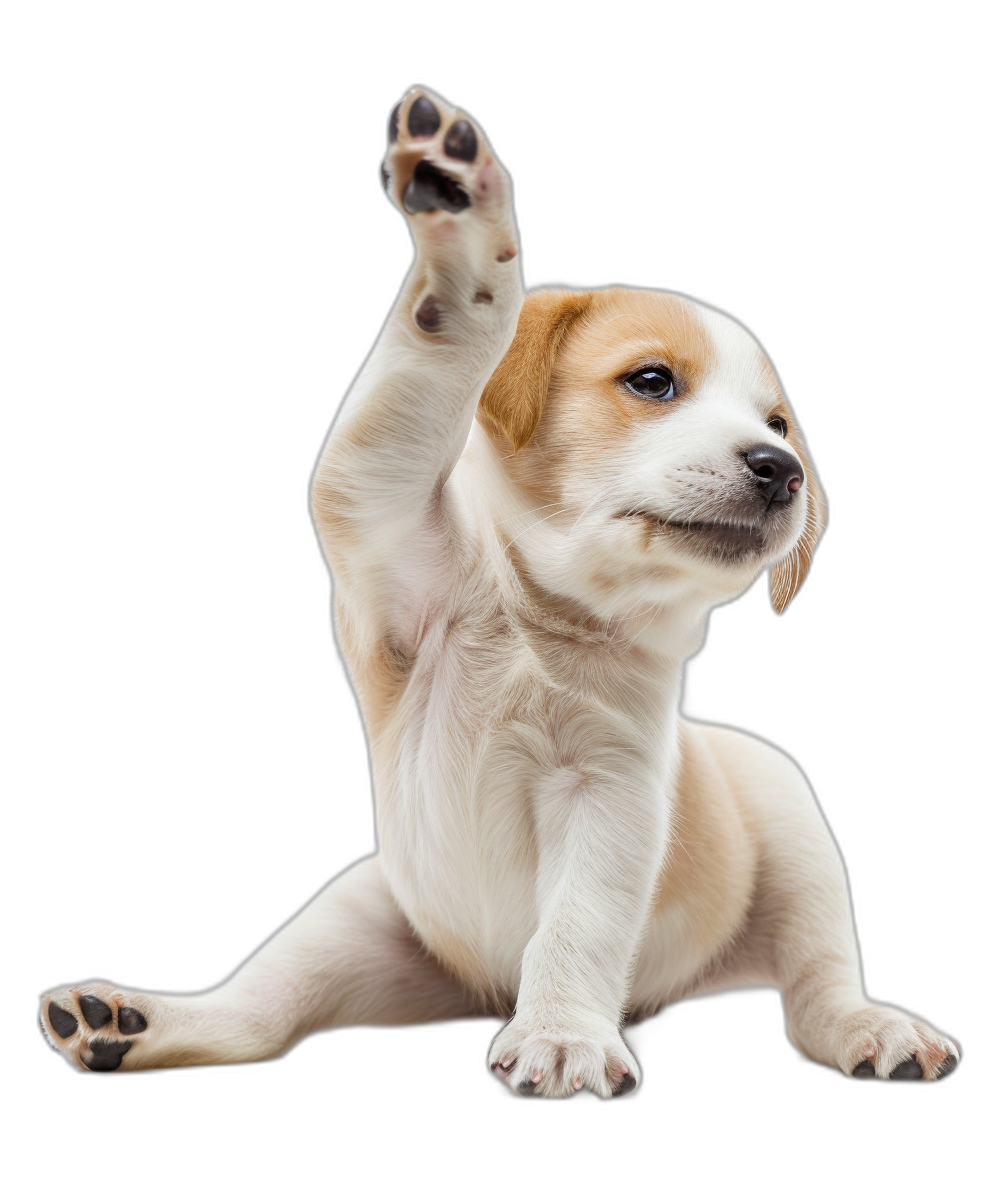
(349, 957)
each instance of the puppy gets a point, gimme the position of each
(529, 505)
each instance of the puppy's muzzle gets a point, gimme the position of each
(778, 472)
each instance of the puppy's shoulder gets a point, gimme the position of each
(744, 761)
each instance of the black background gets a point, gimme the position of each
(212, 261)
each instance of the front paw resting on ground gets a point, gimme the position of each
(557, 1061)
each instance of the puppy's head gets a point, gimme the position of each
(654, 434)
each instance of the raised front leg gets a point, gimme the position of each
(378, 493)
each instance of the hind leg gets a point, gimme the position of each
(829, 1017)
(349, 957)
(801, 934)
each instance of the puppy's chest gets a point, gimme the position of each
(490, 713)
(491, 705)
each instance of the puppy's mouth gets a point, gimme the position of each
(710, 538)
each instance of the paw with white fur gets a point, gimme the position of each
(555, 1063)
(439, 171)
(881, 1042)
(96, 1027)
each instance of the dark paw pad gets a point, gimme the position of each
(460, 141)
(423, 118)
(431, 189)
(907, 1071)
(628, 1083)
(526, 1087)
(63, 1023)
(107, 1055)
(131, 1021)
(96, 1013)
(393, 123)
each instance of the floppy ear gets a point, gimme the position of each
(787, 575)
(512, 401)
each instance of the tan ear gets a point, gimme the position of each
(787, 576)
(512, 401)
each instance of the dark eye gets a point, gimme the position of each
(653, 383)
(778, 425)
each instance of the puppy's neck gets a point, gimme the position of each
(659, 634)
(558, 587)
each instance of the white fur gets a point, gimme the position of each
(537, 795)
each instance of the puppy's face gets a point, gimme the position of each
(654, 433)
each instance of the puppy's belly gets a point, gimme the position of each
(456, 769)
(460, 862)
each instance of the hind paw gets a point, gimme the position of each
(94, 1027)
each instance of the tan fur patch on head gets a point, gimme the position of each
(660, 326)
(578, 347)
(628, 329)
(561, 388)
(589, 408)
(512, 401)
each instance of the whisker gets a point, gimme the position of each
(523, 513)
(533, 525)
(648, 622)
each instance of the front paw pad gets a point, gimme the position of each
(439, 160)
(431, 189)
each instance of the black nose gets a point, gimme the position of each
(779, 472)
